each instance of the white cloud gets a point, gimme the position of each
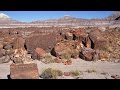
(4, 16)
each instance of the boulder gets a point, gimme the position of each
(24, 71)
(2, 52)
(38, 53)
(62, 50)
(19, 43)
(68, 36)
(67, 49)
(79, 34)
(20, 57)
(97, 40)
(44, 41)
(87, 54)
(7, 46)
(4, 59)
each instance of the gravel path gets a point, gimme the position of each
(103, 70)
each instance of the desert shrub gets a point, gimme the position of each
(75, 73)
(65, 56)
(59, 72)
(74, 54)
(90, 71)
(50, 73)
(47, 59)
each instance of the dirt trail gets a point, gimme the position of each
(107, 68)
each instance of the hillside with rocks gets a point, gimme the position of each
(62, 46)
(56, 52)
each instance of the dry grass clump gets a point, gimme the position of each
(90, 70)
(50, 73)
(75, 73)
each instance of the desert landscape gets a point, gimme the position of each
(63, 48)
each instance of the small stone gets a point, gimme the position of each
(7, 46)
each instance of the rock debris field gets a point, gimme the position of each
(59, 53)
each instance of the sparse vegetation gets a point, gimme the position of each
(65, 56)
(104, 73)
(90, 70)
(47, 59)
(75, 73)
(51, 73)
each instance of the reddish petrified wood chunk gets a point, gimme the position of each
(24, 71)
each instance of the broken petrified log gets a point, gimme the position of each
(44, 41)
(24, 71)
(87, 54)
(19, 43)
(79, 34)
(20, 57)
(97, 40)
(68, 36)
(67, 49)
(38, 53)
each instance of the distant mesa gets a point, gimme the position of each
(65, 20)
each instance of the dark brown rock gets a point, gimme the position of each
(79, 34)
(67, 49)
(44, 41)
(87, 54)
(98, 41)
(38, 53)
(18, 43)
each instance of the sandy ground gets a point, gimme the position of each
(102, 69)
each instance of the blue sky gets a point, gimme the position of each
(28, 16)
